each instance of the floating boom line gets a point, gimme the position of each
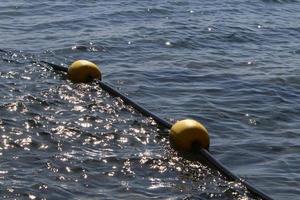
(201, 151)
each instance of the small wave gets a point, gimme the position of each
(280, 1)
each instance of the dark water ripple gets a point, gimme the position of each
(232, 65)
(74, 140)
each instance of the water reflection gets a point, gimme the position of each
(64, 137)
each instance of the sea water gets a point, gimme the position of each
(232, 65)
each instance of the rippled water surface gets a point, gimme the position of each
(233, 65)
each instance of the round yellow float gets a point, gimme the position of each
(188, 134)
(82, 71)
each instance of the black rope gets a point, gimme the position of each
(54, 66)
(203, 152)
(142, 110)
(230, 176)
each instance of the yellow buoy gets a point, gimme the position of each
(188, 133)
(83, 71)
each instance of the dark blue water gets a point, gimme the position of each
(233, 65)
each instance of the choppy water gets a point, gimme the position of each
(233, 65)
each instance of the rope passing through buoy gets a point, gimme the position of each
(83, 71)
(185, 135)
(188, 134)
